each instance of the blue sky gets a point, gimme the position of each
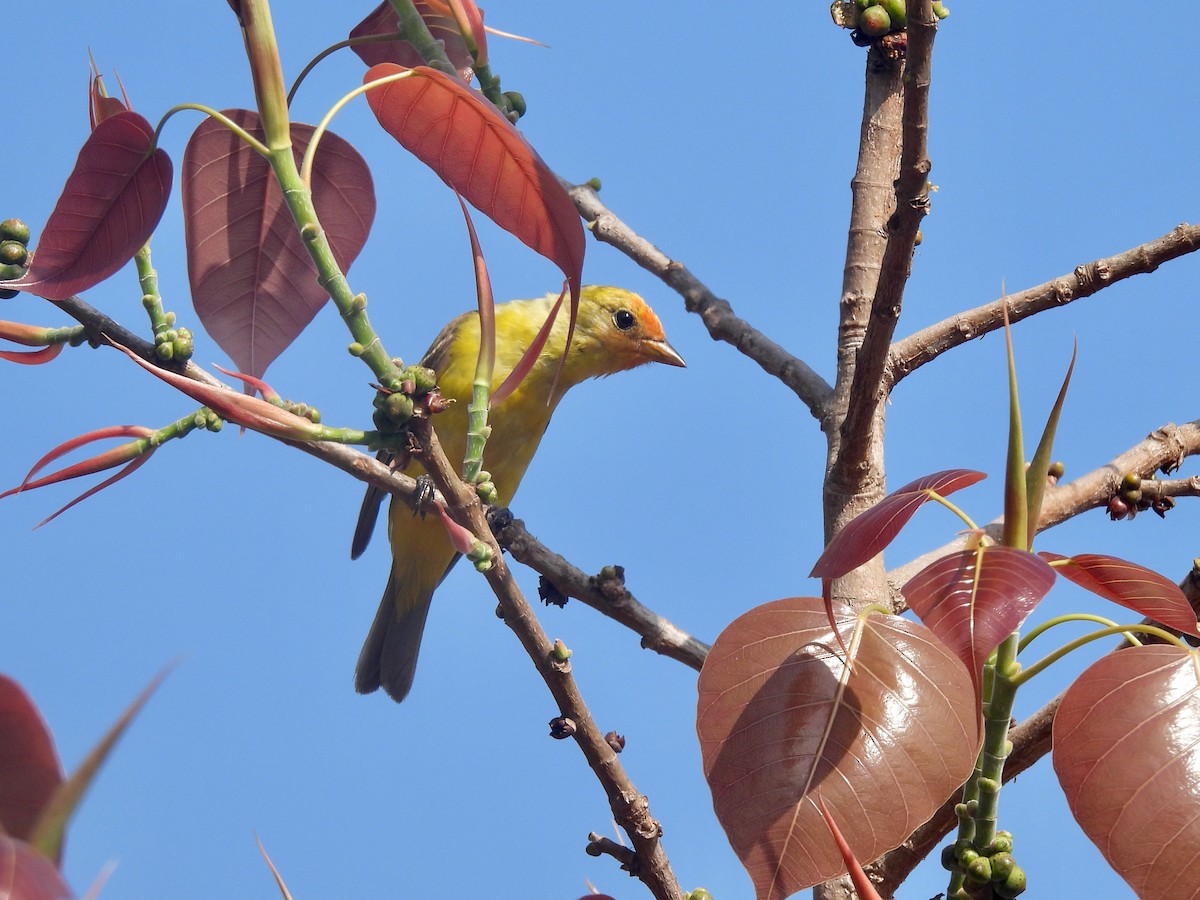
(728, 142)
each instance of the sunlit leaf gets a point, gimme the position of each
(254, 285)
(484, 158)
(1134, 587)
(1126, 751)
(869, 533)
(108, 209)
(27, 875)
(441, 24)
(30, 772)
(974, 599)
(782, 716)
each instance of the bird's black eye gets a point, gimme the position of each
(624, 319)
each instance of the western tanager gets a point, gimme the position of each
(615, 330)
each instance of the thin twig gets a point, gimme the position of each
(718, 315)
(605, 592)
(909, 354)
(630, 809)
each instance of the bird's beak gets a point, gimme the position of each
(661, 351)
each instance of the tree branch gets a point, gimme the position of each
(916, 350)
(630, 809)
(605, 592)
(717, 314)
(911, 204)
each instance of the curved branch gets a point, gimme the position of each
(605, 592)
(718, 315)
(916, 350)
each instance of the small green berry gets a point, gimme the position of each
(979, 870)
(899, 14)
(1002, 866)
(516, 102)
(13, 253)
(875, 22)
(939, 10)
(14, 230)
(1056, 469)
(1013, 885)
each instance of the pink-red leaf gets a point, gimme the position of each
(1134, 587)
(974, 599)
(27, 875)
(484, 158)
(782, 715)
(1126, 751)
(30, 772)
(108, 209)
(442, 25)
(254, 285)
(869, 533)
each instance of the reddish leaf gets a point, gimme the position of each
(27, 875)
(440, 21)
(973, 608)
(885, 741)
(1126, 751)
(30, 772)
(253, 284)
(1130, 585)
(108, 210)
(481, 155)
(871, 532)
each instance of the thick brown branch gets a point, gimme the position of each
(911, 205)
(717, 314)
(916, 350)
(605, 592)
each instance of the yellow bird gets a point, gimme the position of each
(615, 330)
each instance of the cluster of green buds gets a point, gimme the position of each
(418, 391)
(877, 21)
(174, 343)
(1131, 500)
(994, 865)
(14, 253)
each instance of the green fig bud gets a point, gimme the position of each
(1057, 468)
(13, 253)
(516, 102)
(399, 407)
(1013, 885)
(1002, 865)
(939, 10)
(897, 11)
(949, 858)
(979, 870)
(14, 230)
(875, 22)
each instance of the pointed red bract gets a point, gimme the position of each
(885, 740)
(27, 875)
(868, 534)
(30, 772)
(1126, 751)
(254, 285)
(862, 884)
(107, 212)
(1134, 587)
(32, 357)
(972, 608)
(484, 158)
(442, 25)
